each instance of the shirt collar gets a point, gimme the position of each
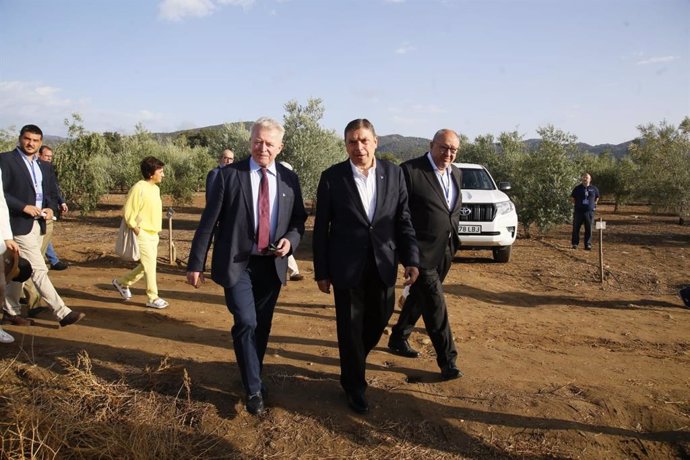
(357, 171)
(433, 165)
(254, 167)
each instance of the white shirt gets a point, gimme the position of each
(446, 181)
(366, 186)
(271, 175)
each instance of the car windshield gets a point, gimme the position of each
(476, 179)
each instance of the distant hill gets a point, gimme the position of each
(617, 150)
(403, 147)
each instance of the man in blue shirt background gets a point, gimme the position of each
(585, 197)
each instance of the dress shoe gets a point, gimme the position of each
(255, 404)
(34, 312)
(16, 320)
(71, 318)
(450, 372)
(59, 265)
(402, 348)
(588, 247)
(574, 246)
(357, 402)
(296, 277)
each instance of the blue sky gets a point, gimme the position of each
(596, 69)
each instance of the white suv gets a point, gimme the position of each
(488, 219)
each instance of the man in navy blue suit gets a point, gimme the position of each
(31, 195)
(257, 214)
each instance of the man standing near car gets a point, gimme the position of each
(433, 188)
(362, 228)
(585, 197)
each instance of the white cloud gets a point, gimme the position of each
(405, 48)
(23, 102)
(177, 10)
(242, 3)
(657, 60)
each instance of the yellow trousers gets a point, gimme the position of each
(148, 249)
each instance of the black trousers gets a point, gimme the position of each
(362, 314)
(426, 299)
(579, 218)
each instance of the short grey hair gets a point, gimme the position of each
(269, 124)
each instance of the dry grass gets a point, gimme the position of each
(46, 415)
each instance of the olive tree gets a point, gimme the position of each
(82, 165)
(309, 148)
(546, 178)
(662, 153)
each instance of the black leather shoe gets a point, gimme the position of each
(450, 372)
(34, 312)
(71, 318)
(60, 265)
(255, 404)
(402, 348)
(16, 320)
(357, 402)
(588, 247)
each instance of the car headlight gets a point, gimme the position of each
(504, 207)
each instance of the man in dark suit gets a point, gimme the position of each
(257, 214)
(362, 227)
(31, 195)
(433, 186)
(226, 157)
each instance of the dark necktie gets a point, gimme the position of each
(264, 214)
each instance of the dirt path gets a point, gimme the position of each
(556, 364)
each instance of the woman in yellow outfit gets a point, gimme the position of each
(143, 214)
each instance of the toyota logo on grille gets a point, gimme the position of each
(465, 211)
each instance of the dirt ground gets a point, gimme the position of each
(556, 364)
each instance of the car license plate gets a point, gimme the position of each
(470, 229)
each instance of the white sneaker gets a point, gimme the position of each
(123, 290)
(157, 303)
(5, 337)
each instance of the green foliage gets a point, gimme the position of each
(663, 155)
(388, 156)
(185, 170)
(8, 139)
(309, 148)
(546, 178)
(82, 165)
(233, 136)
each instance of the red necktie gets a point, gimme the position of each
(264, 213)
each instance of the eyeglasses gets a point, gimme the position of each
(448, 148)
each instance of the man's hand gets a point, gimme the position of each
(196, 279)
(136, 230)
(283, 247)
(63, 208)
(12, 245)
(33, 211)
(47, 213)
(324, 286)
(411, 274)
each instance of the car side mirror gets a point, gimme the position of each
(504, 186)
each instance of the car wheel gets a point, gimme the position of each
(502, 254)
